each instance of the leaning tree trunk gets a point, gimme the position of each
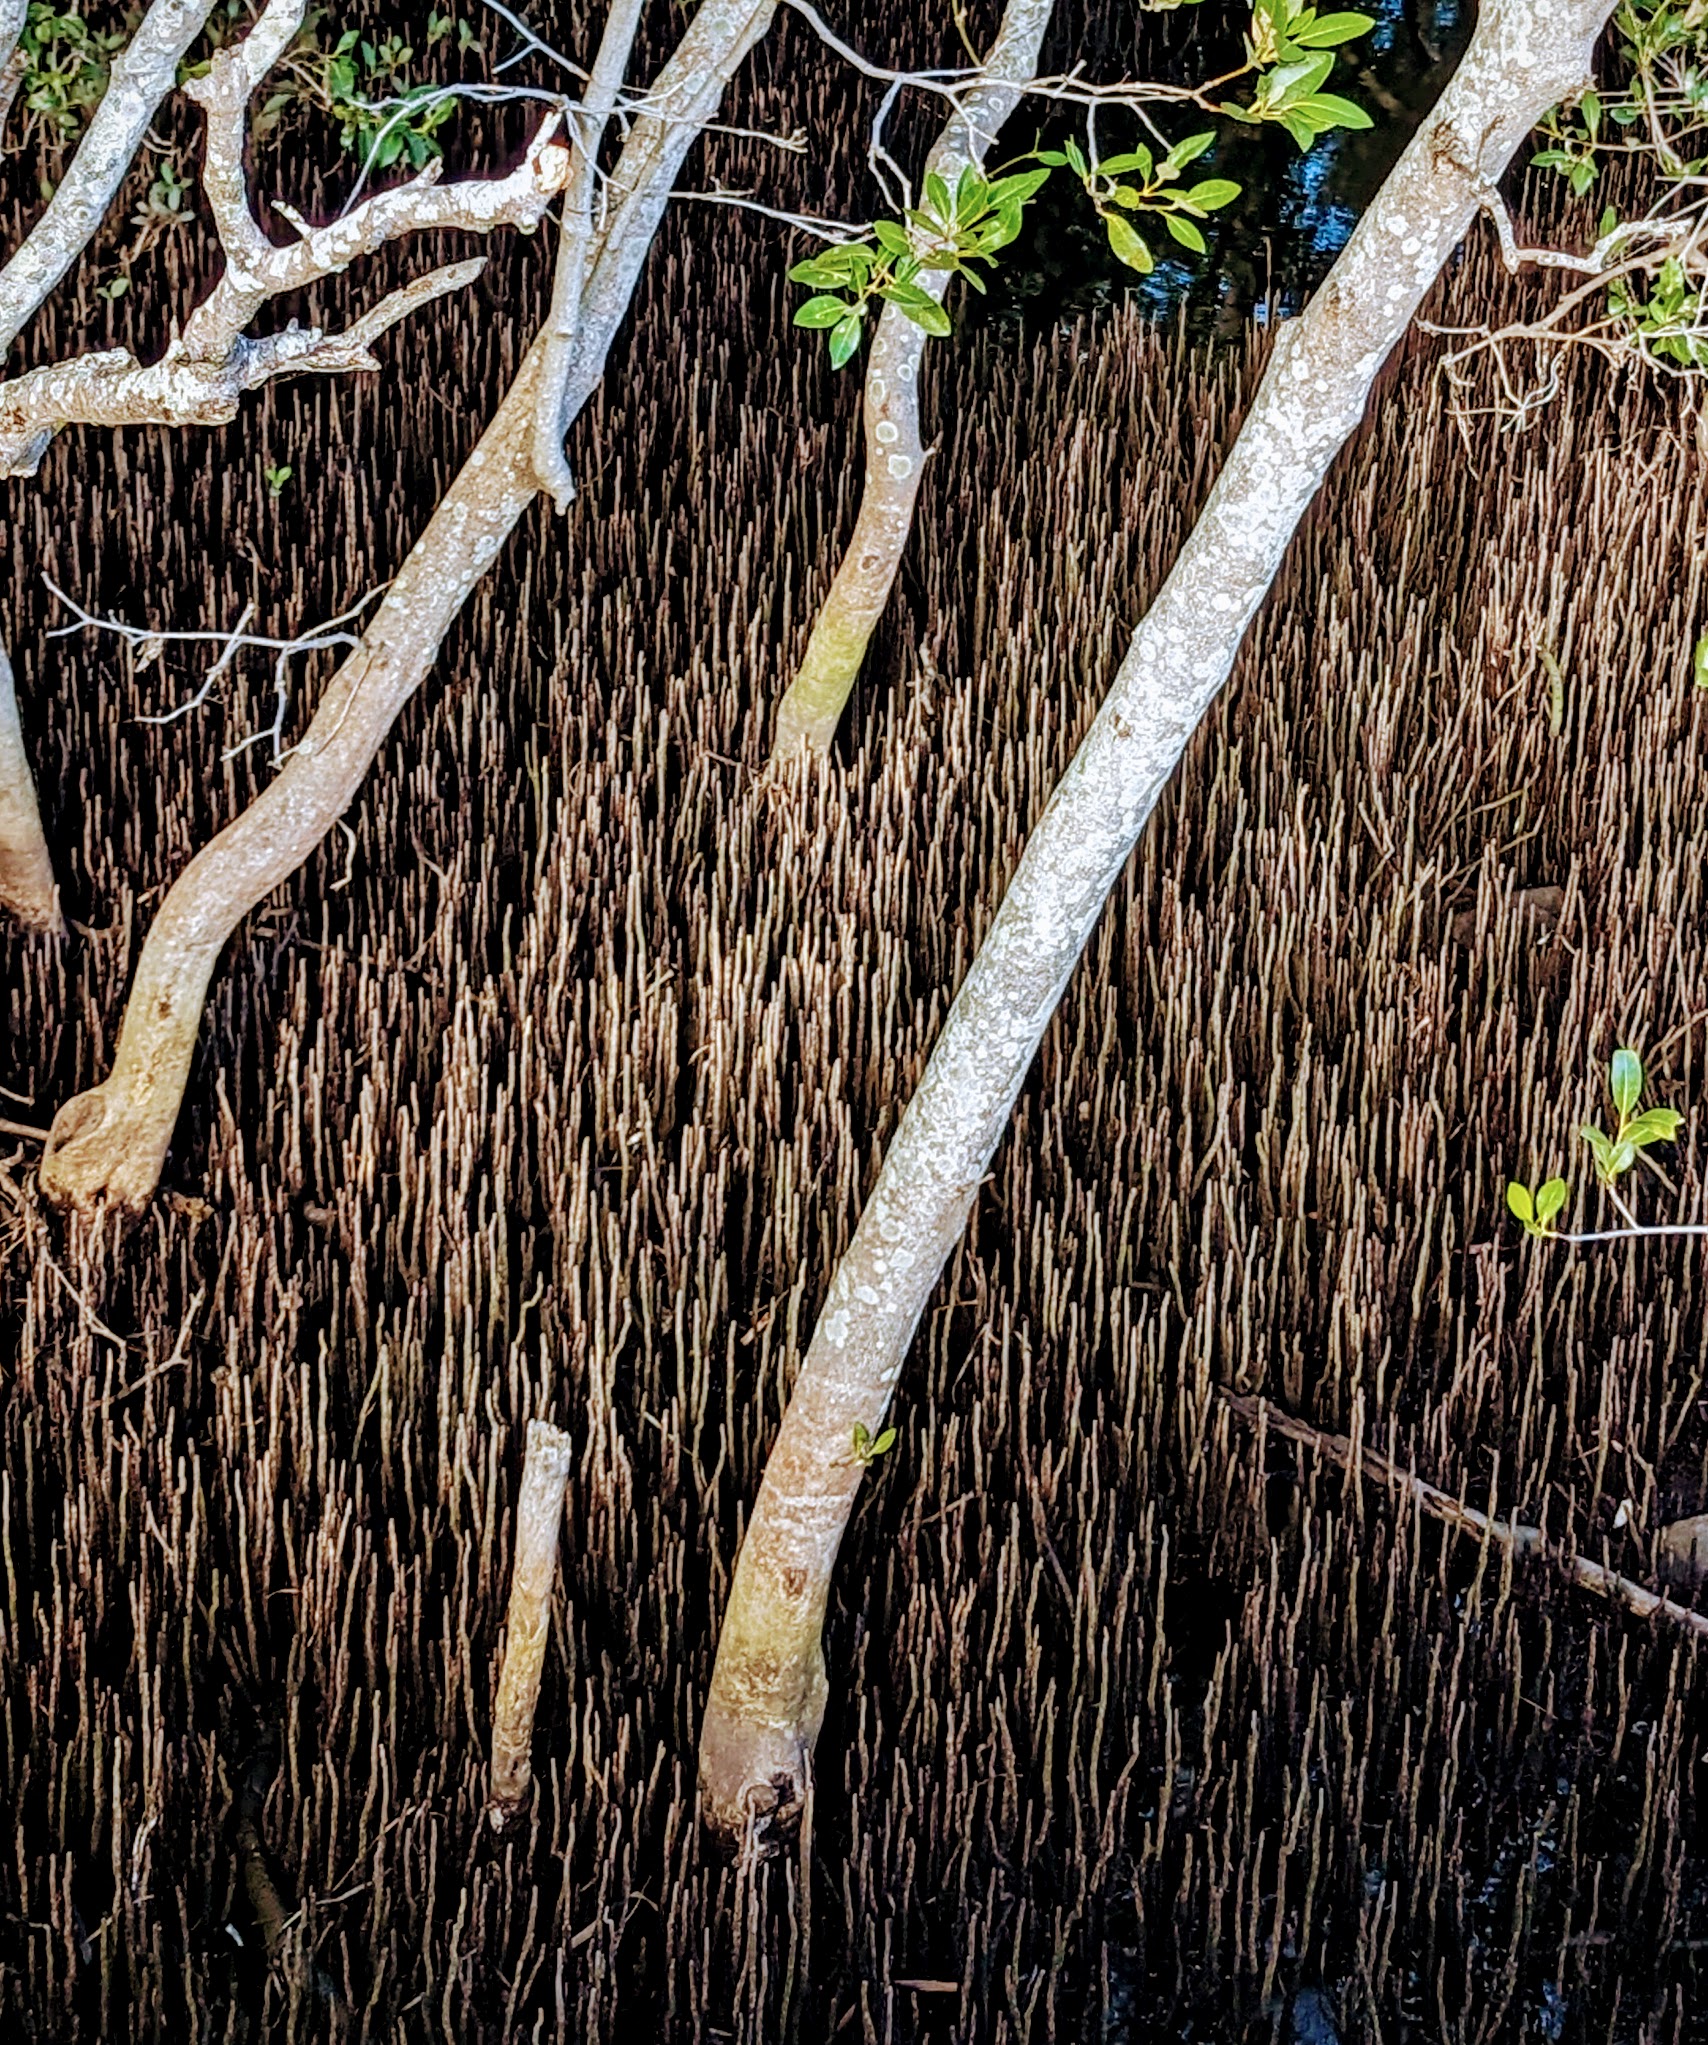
(110, 1143)
(768, 1688)
(26, 872)
(141, 77)
(812, 705)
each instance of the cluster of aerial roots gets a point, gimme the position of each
(551, 1091)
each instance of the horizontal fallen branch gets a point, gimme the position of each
(1518, 1539)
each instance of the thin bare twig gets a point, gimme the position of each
(147, 641)
(1517, 1539)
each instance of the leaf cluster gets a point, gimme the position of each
(1292, 47)
(1136, 181)
(1289, 45)
(364, 84)
(66, 60)
(1657, 110)
(1633, 1131)
(948, 235)
(1665, 318)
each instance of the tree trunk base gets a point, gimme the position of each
(755, 1777)
(27, 891)
(106, 1148)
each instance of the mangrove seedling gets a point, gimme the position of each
(1613, 1155)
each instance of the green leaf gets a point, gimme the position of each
(1519, 1200)
(1653, 1125)
(1128, 160)
(1301, 127)
(1330, 30)
(822, 312)
(1625, 1081)
(1076, 160)
(998, 233)
(1189, 150)
(1581, 177)
(1018, 188)
(920, 307)
(938, 199)
(1287, 84)
(1590, 108)
(844, 340)
(1601, 1149)
(1699, 663)
(891, 237)
(1211, 195)
(885, 1442)
(1328, 110)
(862, 1441)
(1129, 196)
(832, 269)
(1550, 1198)
(1128, 245)
(1184, 232)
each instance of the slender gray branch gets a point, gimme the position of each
(569, 280)
(142, 75)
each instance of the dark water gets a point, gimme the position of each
(1268, 250)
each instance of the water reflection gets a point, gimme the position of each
(1271, 248)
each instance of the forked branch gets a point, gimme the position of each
(207, 369)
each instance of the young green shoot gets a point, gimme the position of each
(1635, 1130)
(867, 1448)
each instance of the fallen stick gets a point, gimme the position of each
(533, 1574)
(1465, 1519)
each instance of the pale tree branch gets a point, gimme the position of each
(142, 75)
(532, 45)
(1518, 1540)
(206, 370)
(108, 1144)
(812, 704)
(13, 16)
(569, 280)
(258, 269)
(768, 1688)
(26, 871)
(146, 643)
(111, 388)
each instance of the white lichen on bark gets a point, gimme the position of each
(768, 1688)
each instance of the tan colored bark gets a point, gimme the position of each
(812, 705)
(768, 1687)
(533, 1577)
(26, 872)
(109, 1144)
